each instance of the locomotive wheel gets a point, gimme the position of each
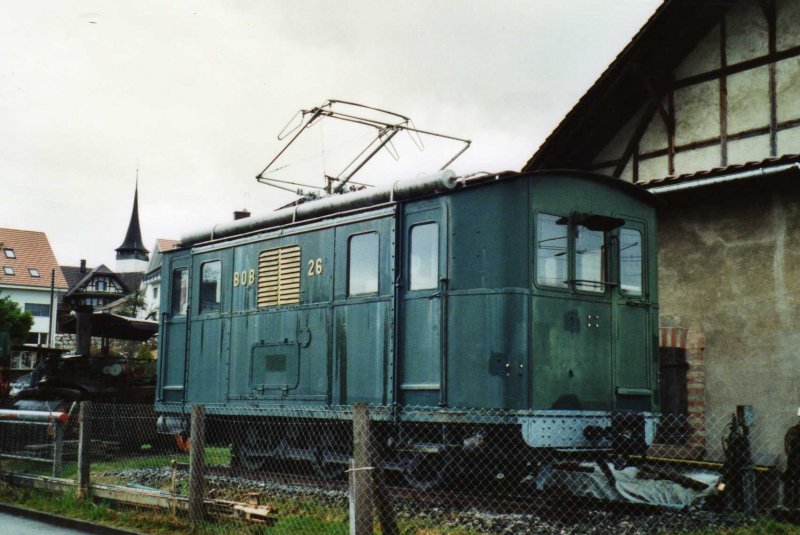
(328, 452)
(252, 452)
(426, 471)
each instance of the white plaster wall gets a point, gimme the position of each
(789, 141)
(150, 302)
(748, 100)
(131, 266)
(627, 172)
(614, 149)
(697, 112)
(42, 297)
(655, 137)
(752, 149)
(787, 82)
(694, 160)
(788, 12)
(746, 29)
(653, 168)
(705, 57)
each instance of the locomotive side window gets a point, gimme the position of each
(630, 262)
(424, 269)
(210, 287)
(180, 292)
(362, 264)
(551, 251)
(589, 260)
(279, 276)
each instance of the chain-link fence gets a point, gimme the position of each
(312, 469)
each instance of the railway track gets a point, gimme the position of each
(490, 496)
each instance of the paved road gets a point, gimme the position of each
(17, 525)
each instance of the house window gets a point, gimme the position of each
(362, 264)
(8, 270)
(551, 251)
(180, 292)
(279, 276)
(630, 262)
(210, 286)
(36, 339)
(424, 272)
(24, 360)
(9, 253)
(155, 293)
(38, 310)
(100, 285)
(34, 272)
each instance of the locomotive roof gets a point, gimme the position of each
(438, 183)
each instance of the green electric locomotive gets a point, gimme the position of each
(529, 297)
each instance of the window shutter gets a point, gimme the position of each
(279, 276)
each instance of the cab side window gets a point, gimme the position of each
(362, 264)
(551, 250)
(179, 299)
(424, 269)
(210, 287)
(589, 260)
(630, 262)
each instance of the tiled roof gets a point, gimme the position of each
(165, 245)
(131, 280)
(718, 171)
(32, 251)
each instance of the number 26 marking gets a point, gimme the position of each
(314, 267)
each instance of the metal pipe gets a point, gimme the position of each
(693, 184)
(402, 189)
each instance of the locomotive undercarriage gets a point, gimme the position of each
(425, 455)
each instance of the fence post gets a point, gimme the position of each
(84, 447)
(58, 447)
(383, 505)
(197, 511)
(361, 473)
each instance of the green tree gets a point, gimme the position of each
(14, 321)
(134, 303)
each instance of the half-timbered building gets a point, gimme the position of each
(703, 109)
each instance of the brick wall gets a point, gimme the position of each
(693, 342)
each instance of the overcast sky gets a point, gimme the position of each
(194, 93)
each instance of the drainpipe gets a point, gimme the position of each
(693, 184)
(51, 330)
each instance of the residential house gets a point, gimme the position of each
(151, 283)
(30, 276)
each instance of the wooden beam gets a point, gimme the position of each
(738, 67)
(633, 142)
(723, 94)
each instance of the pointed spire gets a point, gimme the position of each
(133, 248)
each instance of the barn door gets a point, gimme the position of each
(424, 261)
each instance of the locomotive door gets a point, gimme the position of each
(208, 349)
(174, 304)
(422, 324)
(633, 357)
(572, 315)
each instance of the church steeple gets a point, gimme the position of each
(132, 255)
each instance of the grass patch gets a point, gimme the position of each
(215, 456)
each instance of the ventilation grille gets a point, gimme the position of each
(279, 276)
